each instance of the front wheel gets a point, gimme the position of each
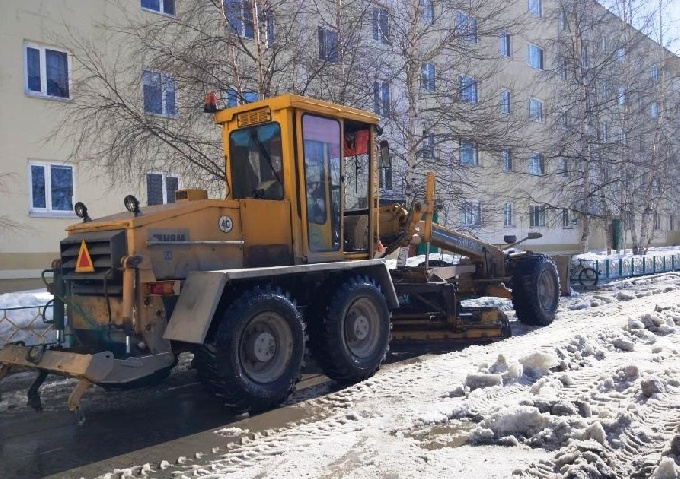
(535, 290)
(256, 357)
(350, 337)
(588, 277)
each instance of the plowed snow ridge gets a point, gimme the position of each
(597, 395)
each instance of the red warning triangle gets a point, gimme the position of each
(84, 263)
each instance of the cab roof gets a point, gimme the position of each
(300, 102)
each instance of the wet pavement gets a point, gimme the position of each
(174, 421)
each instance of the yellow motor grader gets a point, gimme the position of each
(291, 259)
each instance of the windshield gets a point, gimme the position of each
(255, 160)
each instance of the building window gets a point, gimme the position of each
(654, 109)
(621, 54)
(536, 164)
(564, 168)
(233, 97)
(239, 15)
(427, 75)
(428, 145)
(159, 93)
(657, 221)
(563, 21)
(566, 221)
(466, 26)
(536, 8)
(654, 73)
(51, 188)
(381, 27)
(47, 71)
(505, 102)
(507, 214)
(467, 152)
(621, 97)
(381, 97)
(467, 89)
(471, 213)
(504, 47)
(506, 159)
(161, 188)
(536, 215)
(564, 119)
(328, 45)
(671, 223)
(604, 132)
(535, 109)
(535, 56)
(385, 178)
(166, 7)
(426, 11)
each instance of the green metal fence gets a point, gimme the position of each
(633, 265)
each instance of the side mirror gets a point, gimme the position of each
(385, 158)
(534, 235)
(510, 239)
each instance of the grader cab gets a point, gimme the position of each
(292, 259)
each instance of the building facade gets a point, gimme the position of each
(535, 114)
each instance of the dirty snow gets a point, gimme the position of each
(594, 395)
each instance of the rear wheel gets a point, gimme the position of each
(256, 356)
(588, 277)
(535, 290)
(350, 337)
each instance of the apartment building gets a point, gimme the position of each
(40, 180)
(498, 88)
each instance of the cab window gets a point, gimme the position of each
(321, 148)
(255, 160)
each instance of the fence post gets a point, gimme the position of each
(606, 265)
(620, 267)
(644, 266)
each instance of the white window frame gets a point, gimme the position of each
(381, 102)
(328, 50)
(426, 8)
(43, 71)
(164, 177)
(464, 143)
(161, 8)
(467, 89)
(536, 216)
(654, 73)
(428, 75)
(505, 45)
(535, 8)
(536, 110)
(621, 54)
(507, 215)
(506, 160)
(505, 102)
(466, 26)
(531, 49)
(536, 164)
(164, 94)
(654, 109)
(427, 150)
(380, 36)
(48, 212)
(621, 96)
(240, 29)
(470, 213)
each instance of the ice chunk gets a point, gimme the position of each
(539, 362)
(481, 380)
(666, 469)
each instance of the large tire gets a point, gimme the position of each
(350, 336)
(535, 290)
(257, 353)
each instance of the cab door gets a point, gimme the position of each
(322, 188)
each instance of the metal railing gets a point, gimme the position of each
(633, 265)
(28, 324)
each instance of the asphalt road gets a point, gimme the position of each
(124, 429)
